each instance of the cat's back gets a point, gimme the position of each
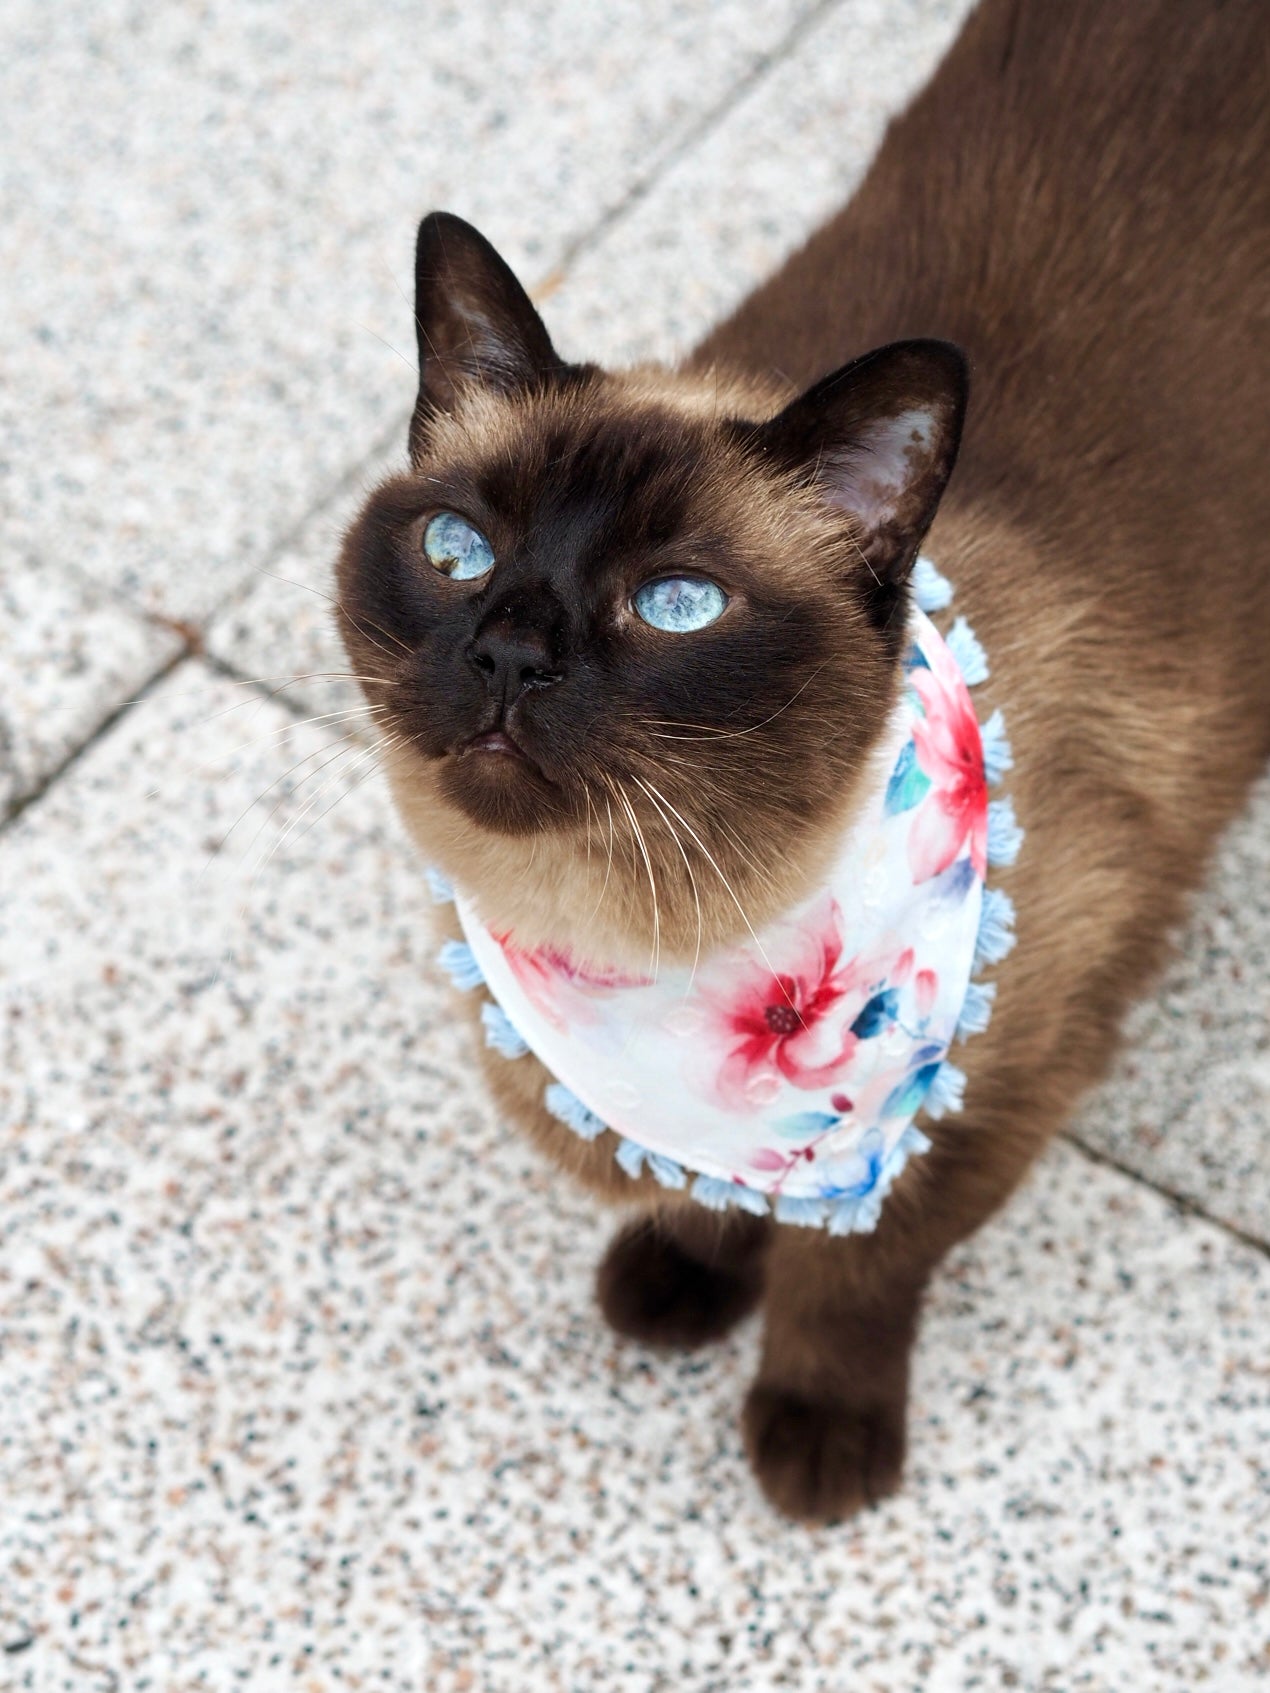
(1081, 200)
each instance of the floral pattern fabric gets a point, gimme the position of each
(785, 1072)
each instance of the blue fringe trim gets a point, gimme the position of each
(1004, 835)
(568, 1109)
(501, 1033)
(667, 1172)
(859, 1215)
(995, 935)
(713, 1192)
(458, 961)
(806, 1213)
(947, 1091)
(997, 757)
(932, 591)
(976, 1009)
(970, 658)
(996, 928)
(632, 1157)
(720, 1195)
(911, 1144)
(439, 886)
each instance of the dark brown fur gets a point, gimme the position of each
(1079, 201)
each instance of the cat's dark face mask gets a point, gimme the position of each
(612, 610)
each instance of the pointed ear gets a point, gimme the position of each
(474, 322)
(879, 438)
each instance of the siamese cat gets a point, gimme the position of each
(639, 634)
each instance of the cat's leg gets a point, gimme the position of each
(824, 1422)
(681, 1275)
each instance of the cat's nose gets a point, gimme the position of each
(512, 661)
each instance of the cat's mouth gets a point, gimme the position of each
(494, 779)
(499, 744)
(495, 741)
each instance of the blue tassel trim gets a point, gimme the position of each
(810, 1213)
(721, 1195)
(667, 1172)
(856, 1216)
(932, 591)
(969, 656)
(439, 886)
(1004, 835)
(458, 961)
(501, 1033)
(947, 1091)
(976, 1009)
(713, 1192)
(859, 1215)
(995, 935)
(997, 757)
(568, 1109)
(996, 928)
(632, 1157)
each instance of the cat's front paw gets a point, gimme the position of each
(652, 1288)
(821, 1460)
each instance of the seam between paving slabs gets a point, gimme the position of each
(705, 125)
(192, 636)
(1183, 1201)
(103, 728)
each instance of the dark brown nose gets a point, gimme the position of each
(512, 660)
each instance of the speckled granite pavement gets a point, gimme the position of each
(301, 1382)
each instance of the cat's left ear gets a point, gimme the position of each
(475, 324)
(879, 438)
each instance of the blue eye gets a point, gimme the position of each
(455, 548)
(680, 604)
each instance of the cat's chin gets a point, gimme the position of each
(495, 785)
(544, 883)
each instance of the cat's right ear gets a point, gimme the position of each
(878, 439)
(474, 322)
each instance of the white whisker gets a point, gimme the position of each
(332, 719)
(339, 605)
(731, 893)
(655, 960)
(696, 959)
(734, 734)
(344, 746)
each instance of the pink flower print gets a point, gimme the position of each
(553, 982)
(950, 752)
(777, 1021)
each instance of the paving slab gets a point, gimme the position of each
(302, 1384)
(281, 627)
(68, 658)
(788, 153)
(209, 216)
(1188, 1104)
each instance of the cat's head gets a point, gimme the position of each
(635, 633)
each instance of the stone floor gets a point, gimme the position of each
(301, 1386)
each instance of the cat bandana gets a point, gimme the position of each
(783, 1074)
